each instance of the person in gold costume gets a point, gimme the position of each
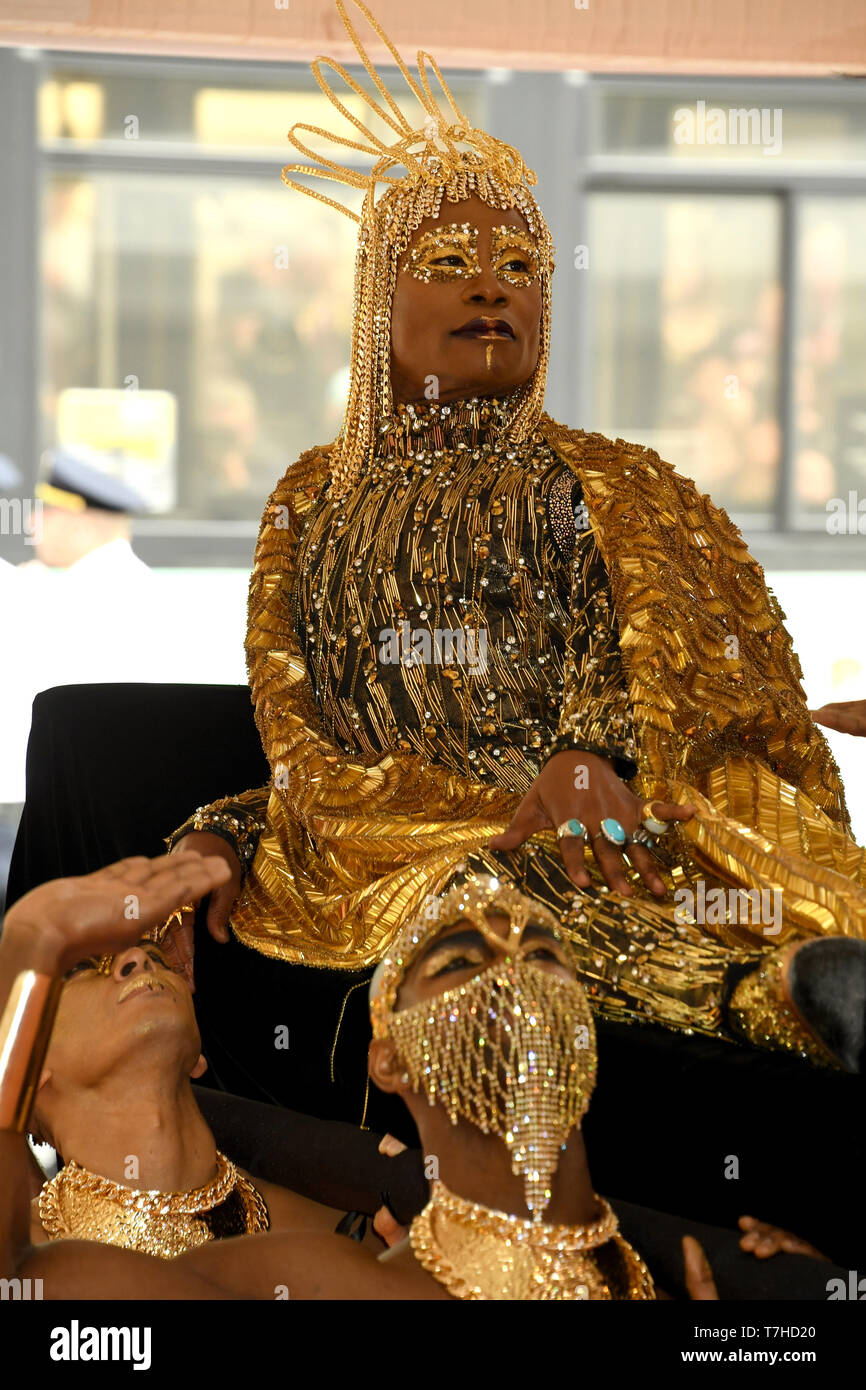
(511, 1214)
(473, 628)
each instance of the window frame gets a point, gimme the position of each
(553, 118)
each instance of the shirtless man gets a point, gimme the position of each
(115, 1095)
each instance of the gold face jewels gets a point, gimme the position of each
(509, 245)
(513, 1050)
(158, 934)
(447, 160)
(513, 253)
(453, 241)
(475, 899)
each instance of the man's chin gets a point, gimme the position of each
(478, 380)
(165, 1015)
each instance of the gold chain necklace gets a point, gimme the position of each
(478, 1253)
(81, 1205)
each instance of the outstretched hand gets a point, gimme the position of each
(763, 1240)
(846, 716)
(111, 909)
(585, 787)
(179, 941)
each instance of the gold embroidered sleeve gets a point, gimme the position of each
(316, 780)
(710, 667)
(595, 715)
(239, 820)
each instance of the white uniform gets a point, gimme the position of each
(96, 621)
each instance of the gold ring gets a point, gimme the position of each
(651, 822)
(160, 932)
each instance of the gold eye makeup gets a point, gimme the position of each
(547, 953)
(514, 256)
(88, 963)
(457, 242)
(461, 951)
(104, 965)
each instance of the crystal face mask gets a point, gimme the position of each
(513, 1051)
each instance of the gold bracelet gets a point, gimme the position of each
(25, 1029)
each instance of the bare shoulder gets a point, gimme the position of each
(306, 1265)
(290, 1211)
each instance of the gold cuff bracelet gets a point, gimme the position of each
(25, 1029)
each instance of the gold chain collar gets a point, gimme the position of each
(78, 1204)
(418, 429)
(478, 1253)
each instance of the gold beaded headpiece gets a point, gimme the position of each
(473, 899)
(443, 156)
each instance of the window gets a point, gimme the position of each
(196, 314)
(685, 295)
(232, 295)
(830, 363)
(720, 317)
(725, 305)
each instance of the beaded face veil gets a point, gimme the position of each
(444, 158)
(512, 1050)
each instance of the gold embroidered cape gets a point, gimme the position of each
(354, 843)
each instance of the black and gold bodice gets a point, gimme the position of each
(455, 604)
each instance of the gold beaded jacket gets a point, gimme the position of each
(597, 595)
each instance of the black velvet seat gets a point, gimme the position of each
(111, 769)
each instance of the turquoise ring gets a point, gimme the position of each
(570, 829)
(613, 831)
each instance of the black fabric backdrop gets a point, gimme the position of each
(112, 769)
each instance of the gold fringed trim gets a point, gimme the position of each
(814, 900)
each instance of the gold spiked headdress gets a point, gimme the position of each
(444, 156)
